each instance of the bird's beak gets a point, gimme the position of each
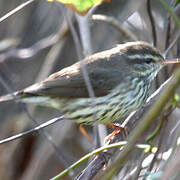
(171, 61)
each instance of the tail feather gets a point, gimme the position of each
(11, 97)
(24, 97)
(8, 97)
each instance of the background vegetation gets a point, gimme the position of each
(37, 41)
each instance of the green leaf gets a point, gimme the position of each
(80, 6)
(177, 2)
(176, 99)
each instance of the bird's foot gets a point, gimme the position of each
(117, 129)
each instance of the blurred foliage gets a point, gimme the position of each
(80, 6)
(177, 2)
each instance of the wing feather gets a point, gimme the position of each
(104, 75)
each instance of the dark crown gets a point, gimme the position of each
(141, 50)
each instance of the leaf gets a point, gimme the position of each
(80, 6)
(175, 100)
(177, 2)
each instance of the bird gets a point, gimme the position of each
(121, 79)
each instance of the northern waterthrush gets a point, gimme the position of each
(121, 79)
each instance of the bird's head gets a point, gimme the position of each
(143, 59)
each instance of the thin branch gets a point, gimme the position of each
(137, 172)
(85, 35)
(160, 143)
(172, 168)
(79, 52)
(167, 42)
(113, 22)
(171, 45)
(73, 31)
(59, 154)
(87, 81)
(149, 10)
(168, 30)
(35, 48)
(170, 11)
(52, 56)
(15, 10)
(30, 131)
(96, 151)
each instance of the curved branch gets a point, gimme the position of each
(153, 27)
(113, 22)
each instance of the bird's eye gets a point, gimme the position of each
(148, 60)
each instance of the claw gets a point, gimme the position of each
(117, 129)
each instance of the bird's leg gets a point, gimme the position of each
(85, 134)
(117, 129)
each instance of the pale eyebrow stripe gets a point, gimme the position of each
(136, 56)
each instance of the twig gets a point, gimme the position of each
(35, 48)
(171, 44)
(41, 157)
(168, 48)
(167, 42)
(170, 11)
(153, 27)
(73, 31)
(30, 131)
(160, 143)
(113, 22)
(84, 70)
(85, 35)
(60, 156)
(172, 167)
(79, 52)
(96, 151)
(15, 10)
(168, 29)
(136, 174)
